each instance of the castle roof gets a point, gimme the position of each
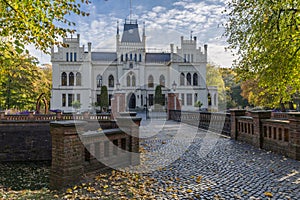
(131, 32)
(158, 57)
(104, 56)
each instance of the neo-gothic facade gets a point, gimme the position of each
(79, 73)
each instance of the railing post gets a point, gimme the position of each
(118, 104)
(67, 153)
(58, 116)
(2, 115)
(30, 115)
(257, 126)
(294, 133)
(234, 117)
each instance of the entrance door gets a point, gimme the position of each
(132, 101)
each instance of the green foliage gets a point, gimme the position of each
(266, 36)
(76, 104)
(233, 89)
(214, 78)
(22, 81)
(198, 104)
(40, 23)
(103, 97)
(159, 98)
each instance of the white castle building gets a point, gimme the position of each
(79, 73)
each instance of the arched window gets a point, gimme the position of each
(122, 58)
(99, 80)
(195, 79)
(182, 77)
(188, 79)
(126, 57)
(64, 79)
(71, 79)
(162, 80)
(111, 81)
(133, 81)
(78, 78)
(131, 56)
(140, 57)
(150, 81)
(135, 57)
(128, 81)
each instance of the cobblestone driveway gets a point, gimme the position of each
(208, 166)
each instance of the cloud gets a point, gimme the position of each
(164, 25)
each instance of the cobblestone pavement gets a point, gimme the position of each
(194, 164)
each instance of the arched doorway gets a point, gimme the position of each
(132, 101)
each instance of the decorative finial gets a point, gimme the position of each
(191, 35)
(144, 29)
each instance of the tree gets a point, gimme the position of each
(40, 23)
(103, 97)
(76, 104)
(22, 81)
(265, 34)
(159, 98)
(214, 78)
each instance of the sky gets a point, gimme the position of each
(165, 22)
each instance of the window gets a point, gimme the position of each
(75, 56)
(122, 58)
(128, 81)
(67, 57)
(188, 79)
(140, 57)
(130, 65)
(115, 148)
(64, 79)
(78, 79)
(184, 60)
(126, 57)
(70, 99)
(78, 98)
(189, 99)
(162, 81)
(131, 56)
(71, 57)
(64, 100)
(133, 81)
(135, 57)
(188, 58)
(150, 99)
(98, 98)
(195, 97)
(111, 81)
(99, 80)
(182, 77)
(110, 96)
(71, 79)
(195, 79)
(182, 99)
(150, 81)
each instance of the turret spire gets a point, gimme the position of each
(130, 15)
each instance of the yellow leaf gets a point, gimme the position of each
(105, 186)
(69, 191)
(268, 194)
(189, 190)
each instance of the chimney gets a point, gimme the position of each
(195, 38)
(172, 48)
(78, 37)
(89, 47)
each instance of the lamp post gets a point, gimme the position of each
(174, 85)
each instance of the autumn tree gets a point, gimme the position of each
(22, 81)
(40, 23)
(214, 78)
(265, 34)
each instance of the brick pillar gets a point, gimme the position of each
(234, 116)
(173, 103)
(257, 116)
(130, 124)
(118, 104)
(67, 153)
(294, 133)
